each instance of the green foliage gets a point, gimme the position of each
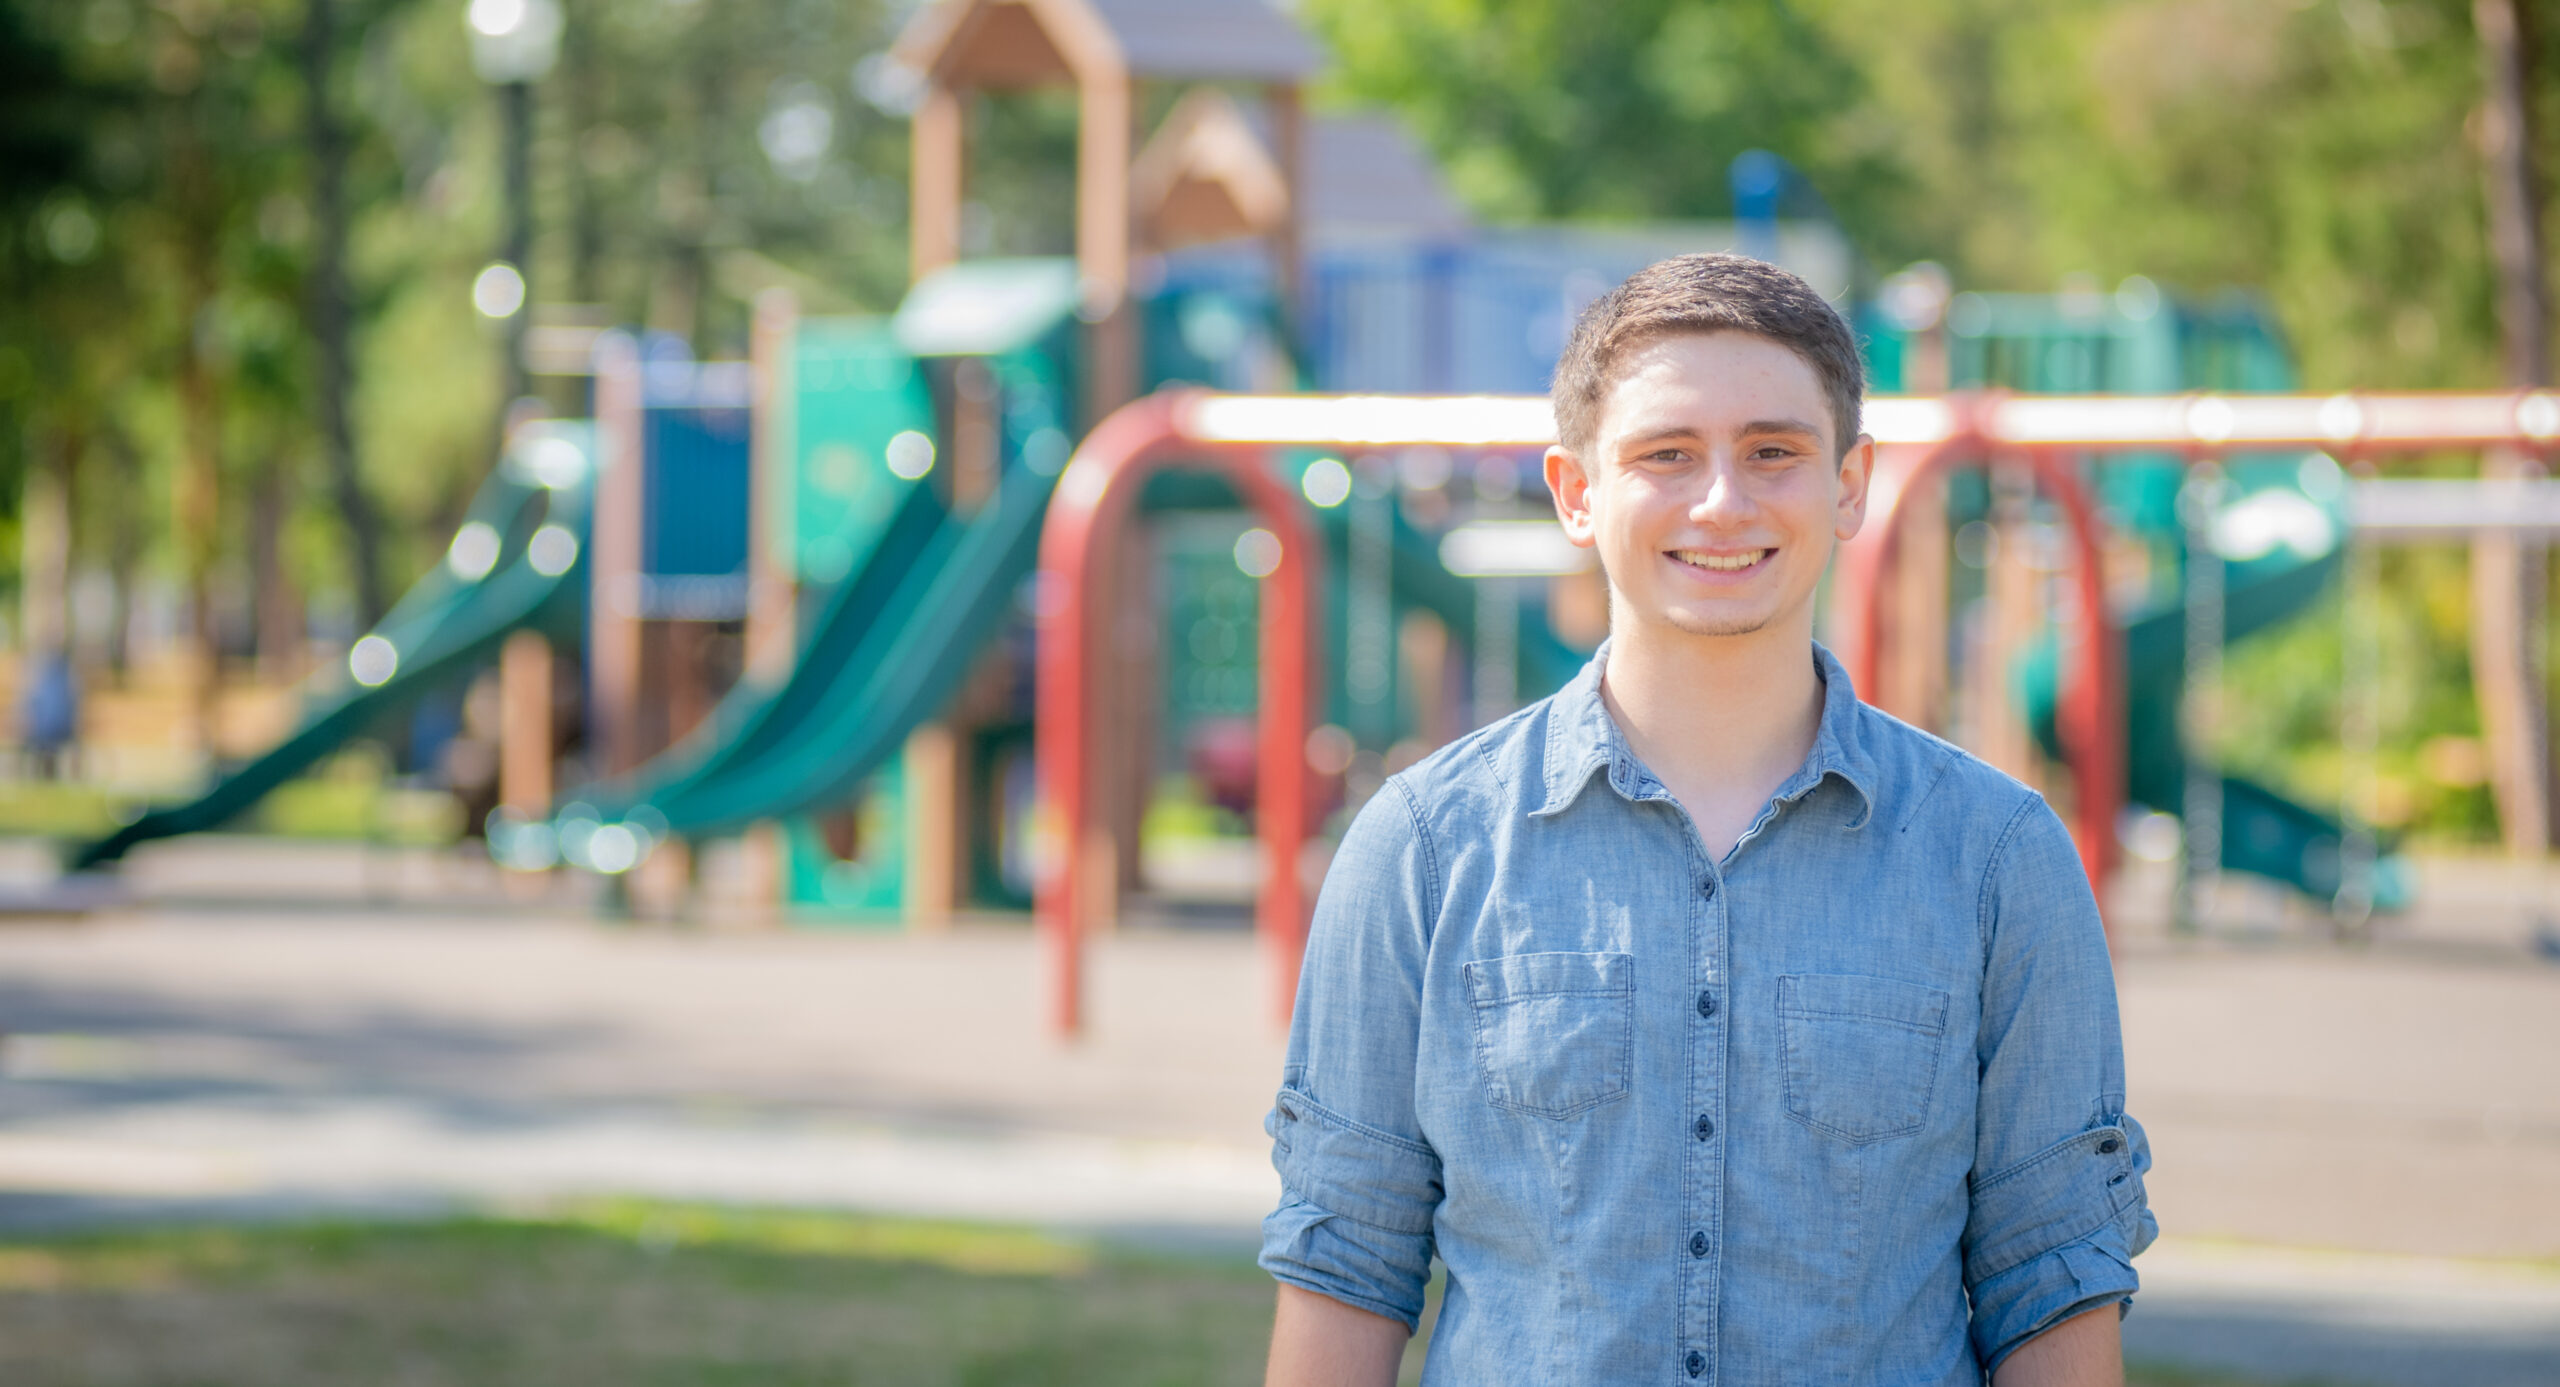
(1545, 109)
(2314, 150)
(156, 219)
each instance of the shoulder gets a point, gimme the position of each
(1925, 784)
(2019, 860)
(1497, 771)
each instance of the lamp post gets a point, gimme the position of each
(513, 45)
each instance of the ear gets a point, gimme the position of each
(1571, 488)
(1857, 468)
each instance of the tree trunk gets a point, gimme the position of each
(276, 605)
(2507, 573)
(583, 83)
(331, 328)
(125, 545)
(196, 505)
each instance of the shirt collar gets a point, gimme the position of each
(1583, 738)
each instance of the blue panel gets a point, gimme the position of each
(695, 521)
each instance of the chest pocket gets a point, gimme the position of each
(1554, 1031)
(1860, 1054)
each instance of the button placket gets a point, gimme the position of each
(1699, 1269)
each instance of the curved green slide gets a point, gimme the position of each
(904, 663)
(517, 562)
(2281, 548)
(895, 640)
(888, 649)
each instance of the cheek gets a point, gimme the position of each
(1808, 499)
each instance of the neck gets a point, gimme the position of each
(1715, 717)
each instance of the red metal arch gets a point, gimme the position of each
(2092, 711)
(1090, 511)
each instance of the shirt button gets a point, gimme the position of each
(1697, 1244)
(1706, 1004)
(1697, 1363)
(1706, 888)
(1706, 1126)
(2107, 1147)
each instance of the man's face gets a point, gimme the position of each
(1710, 488)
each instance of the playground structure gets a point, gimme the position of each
(861, 604)
(1919, 439)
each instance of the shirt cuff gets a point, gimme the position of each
(1358, 1203)
(2030, 1298)
(1366, 1268)
(2056, 1235)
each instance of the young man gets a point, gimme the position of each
(1709, 1025)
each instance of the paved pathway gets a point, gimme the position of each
(242, 1039)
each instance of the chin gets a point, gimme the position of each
(1718, 623)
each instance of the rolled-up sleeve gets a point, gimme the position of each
(1359, 1182)
(2058, 1210)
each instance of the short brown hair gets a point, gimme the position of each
(1716, 292)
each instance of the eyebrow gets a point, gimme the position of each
(1777, 426)
(1755, 427)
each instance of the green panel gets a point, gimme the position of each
(1211, 663)
(854, 389)
(867, 888)
(2057, 344)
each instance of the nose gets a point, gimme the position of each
(1725, 501)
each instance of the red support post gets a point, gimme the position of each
(1095, 500)
(2092, 713)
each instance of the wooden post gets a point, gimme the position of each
(773, 593)
(934, 840)
(2507, 573)
(1289, 136)
(524, 724)
(1102, 237)
(614, 662)
(1915, 664)
(938, 156)
(1125, 739)
(773, 627)
(975, 449)
(1915, 670)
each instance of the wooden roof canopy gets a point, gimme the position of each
(1102, 48)
(1205, 175)
(1012, 44)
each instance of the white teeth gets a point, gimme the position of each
(1720, 562)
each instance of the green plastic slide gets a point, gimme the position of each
(517, 562)
(897, 641)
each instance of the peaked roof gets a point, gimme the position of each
(1206, 175)
(1017, 43)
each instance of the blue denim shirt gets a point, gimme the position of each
(1845, 1106)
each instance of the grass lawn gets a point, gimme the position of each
(633, 1295)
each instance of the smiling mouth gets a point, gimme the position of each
(1721, 563)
